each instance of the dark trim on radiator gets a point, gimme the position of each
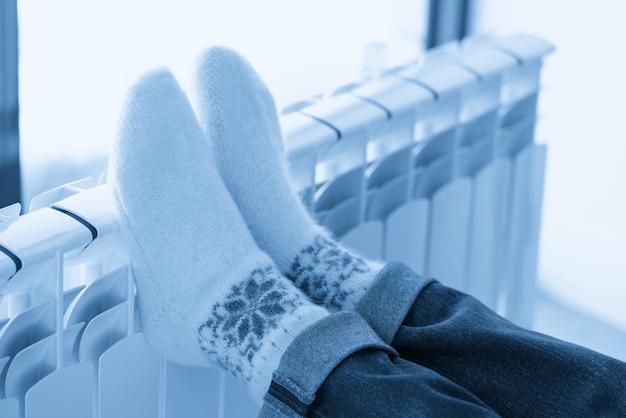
(13, 257)
(83, 221)
(323, 122)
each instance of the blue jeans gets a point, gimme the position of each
(438, 352)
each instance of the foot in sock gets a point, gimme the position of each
(239, 117)
(206, 291)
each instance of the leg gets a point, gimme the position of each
(339, 368)
(371, 384)
(206, 292)
(238, 115)
(515, 371)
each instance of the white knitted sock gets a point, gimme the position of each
(204, 287)
(239, 117)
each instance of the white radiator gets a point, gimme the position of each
(433, 164)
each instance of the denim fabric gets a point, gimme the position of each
(457, 359)
(517, 372)
(311, 357)
(370, 383)
(389, 299)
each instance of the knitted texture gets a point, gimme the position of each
(238, 115)
(206, 292)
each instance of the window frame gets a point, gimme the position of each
(10, 185)
(449, 20)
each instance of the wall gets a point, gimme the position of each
(583, 255)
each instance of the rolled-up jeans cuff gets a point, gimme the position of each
(311, 357)
(388, 301)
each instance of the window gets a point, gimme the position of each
(78, 58)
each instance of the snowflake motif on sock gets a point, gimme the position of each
(251, 309)
(321, 268)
